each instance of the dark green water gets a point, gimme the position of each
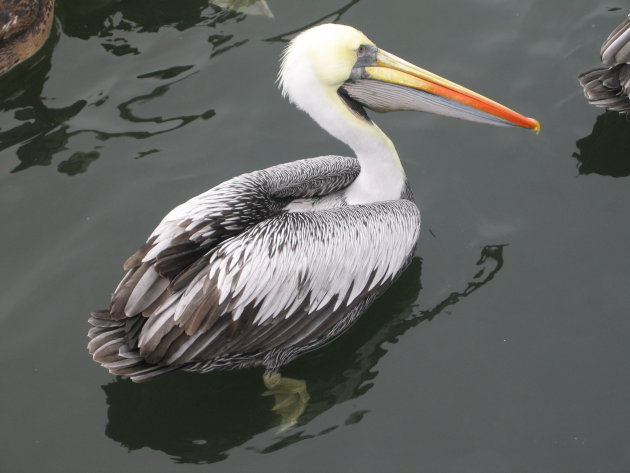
(504, 347)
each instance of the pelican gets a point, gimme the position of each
(609, 87)
(275, 263)
(24, 28)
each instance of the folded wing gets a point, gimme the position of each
(285, 282)
(230, 274)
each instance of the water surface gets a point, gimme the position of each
(504, 347)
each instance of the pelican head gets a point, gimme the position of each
(334, 72)
(339, 64)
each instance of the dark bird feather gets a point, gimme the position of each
(609, 87)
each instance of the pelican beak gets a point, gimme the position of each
(384, 82)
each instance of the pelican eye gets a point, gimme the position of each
(366, 55)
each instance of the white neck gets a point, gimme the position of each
(382, 176)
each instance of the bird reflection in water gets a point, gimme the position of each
(209, 415)
(606, 151)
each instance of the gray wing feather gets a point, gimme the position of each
(609, 87)
(192, 229)
(616, 48)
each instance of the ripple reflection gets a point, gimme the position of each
(40, 131)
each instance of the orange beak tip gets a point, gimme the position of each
(536, 126)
